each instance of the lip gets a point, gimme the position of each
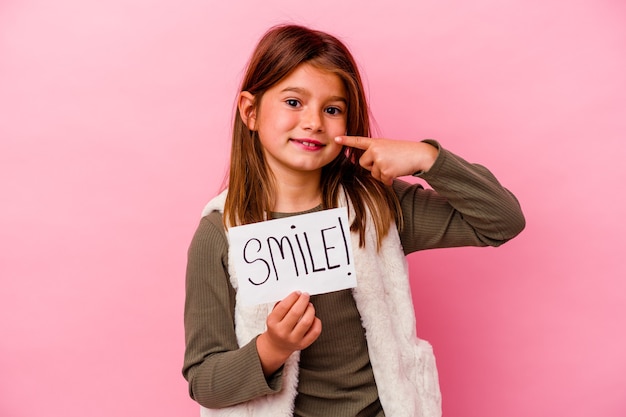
(308, 144)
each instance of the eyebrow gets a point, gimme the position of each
(306, 92)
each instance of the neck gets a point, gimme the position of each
(295, 194)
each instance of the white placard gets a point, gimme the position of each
(309, 252)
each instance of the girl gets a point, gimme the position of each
(301, 144)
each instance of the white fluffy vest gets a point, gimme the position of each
(404, 365)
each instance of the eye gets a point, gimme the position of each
(333, 111)
(292, 102)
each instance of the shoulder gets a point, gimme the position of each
(210, 234)
(214, 221)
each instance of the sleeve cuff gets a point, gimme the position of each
(275, 381)
(437, 163)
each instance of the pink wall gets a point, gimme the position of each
(114, 121)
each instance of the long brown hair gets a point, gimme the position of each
(250, 183)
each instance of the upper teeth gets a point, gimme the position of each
(309, 144)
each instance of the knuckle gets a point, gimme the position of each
(306, 321)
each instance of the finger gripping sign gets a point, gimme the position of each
(309, 252)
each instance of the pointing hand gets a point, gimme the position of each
(388, 159)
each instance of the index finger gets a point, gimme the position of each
(282, 307)
(360, 142)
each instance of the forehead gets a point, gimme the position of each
(310, 79)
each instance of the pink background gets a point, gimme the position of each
(114, 128)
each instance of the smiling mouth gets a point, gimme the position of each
(309, 143)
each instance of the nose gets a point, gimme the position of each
(312, 120)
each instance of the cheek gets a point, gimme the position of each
(272, 126)
(336, 149)
(283, 121)
(338, 128)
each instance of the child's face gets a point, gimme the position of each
(298, 119)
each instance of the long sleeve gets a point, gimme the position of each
(219, 372)
(466, 207)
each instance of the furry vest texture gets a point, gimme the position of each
(403, 365)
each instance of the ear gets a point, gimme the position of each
(247, 109)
